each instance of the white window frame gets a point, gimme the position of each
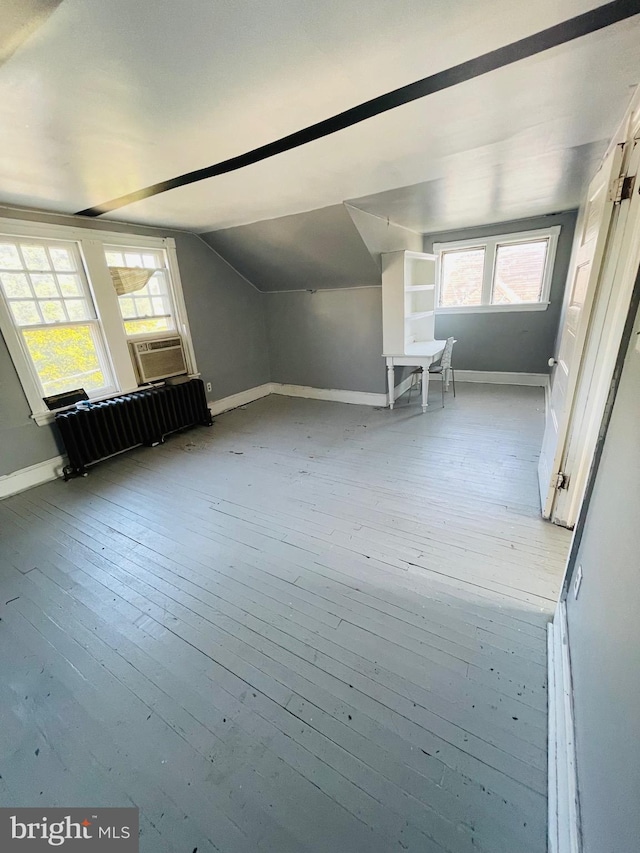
(490, 246)
(173, 315)
(91, 244)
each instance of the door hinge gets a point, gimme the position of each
(622, 188)
(562, 480)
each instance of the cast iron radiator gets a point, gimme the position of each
(142, 417)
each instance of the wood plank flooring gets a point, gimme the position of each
(313, 627)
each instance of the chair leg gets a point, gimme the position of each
(414, 384)
(453, 380)
(442, 383)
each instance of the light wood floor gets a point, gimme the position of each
(313, 627)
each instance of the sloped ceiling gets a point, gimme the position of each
(306, 251)
(20, 19)
(490, 192)
(109, 96)
(381, 235)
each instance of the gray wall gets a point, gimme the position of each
(331, 337)
(22, 441)
(518, 341)
(227, 320)
(604, 634)
(327, 339)
(317, 249)
(335, 341)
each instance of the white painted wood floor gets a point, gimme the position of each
(313, 627)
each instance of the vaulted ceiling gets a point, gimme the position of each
(99, 98)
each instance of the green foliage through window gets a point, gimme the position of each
(65, 358)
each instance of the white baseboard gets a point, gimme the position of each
(496, 377)
(240, 399)
(403, 387)
(563, 805)
(34, 475)
(362, 398)
(366, 398)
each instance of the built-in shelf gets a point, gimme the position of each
(408, 300)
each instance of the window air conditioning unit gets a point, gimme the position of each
(158, 359)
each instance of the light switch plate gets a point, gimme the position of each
(577, 581)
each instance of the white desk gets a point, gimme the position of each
(424, 356)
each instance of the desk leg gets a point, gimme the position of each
(425, 388)
(391, 383)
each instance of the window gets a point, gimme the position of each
(461, 277)
(71, 298)
(519, 272)
(508, 272)
(46, 290)
(140, 279)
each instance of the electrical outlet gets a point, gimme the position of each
(577, 581)
(208, 387)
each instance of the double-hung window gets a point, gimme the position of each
(141, 280)
(509, 272)
(71, 300)
(45, 287)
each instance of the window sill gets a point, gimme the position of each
(47, 416)
(493, 309)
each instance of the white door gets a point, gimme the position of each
(617, 278)
(583, 280)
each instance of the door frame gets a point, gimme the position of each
(563, 801)
(591, 241)
(563, 819)
(603, 326)
(599, 358)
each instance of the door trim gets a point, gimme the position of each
(564, 507)
(599, 358)
(563, 799)
(609, 168)
(625, 341)
(564, 834)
